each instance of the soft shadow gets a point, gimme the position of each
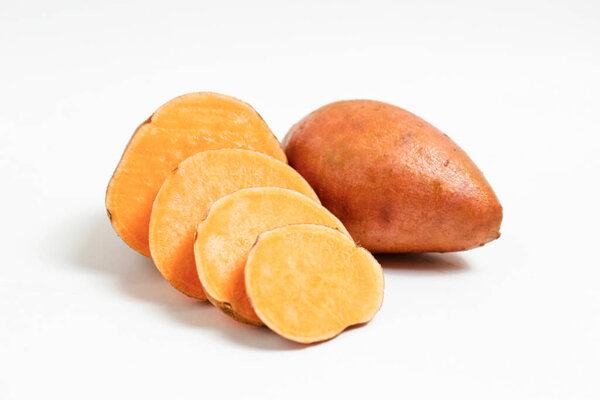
(101, 250)
(204, 315)
(427, 263)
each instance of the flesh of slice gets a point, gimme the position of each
(309, 282)
(182, 127)
(186, 195)
(232, 226)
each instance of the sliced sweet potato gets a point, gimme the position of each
(309, 282)
(185, 196)
(225, 237)
(182, 127)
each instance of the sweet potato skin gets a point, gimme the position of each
(396, 182)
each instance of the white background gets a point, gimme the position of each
(515, 83)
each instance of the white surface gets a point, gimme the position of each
(514, 83)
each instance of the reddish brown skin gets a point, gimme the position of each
(396, 182)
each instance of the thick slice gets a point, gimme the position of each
(186, 195)
(225, 237)
(309, 282)
(183, 127)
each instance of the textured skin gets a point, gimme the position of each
(396, 182)
(309, 282)
(186, 195)
(232, 226)
(179, 129)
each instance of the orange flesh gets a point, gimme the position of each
(309, 282)
(186, 195)
(232, 226)
(181, 128)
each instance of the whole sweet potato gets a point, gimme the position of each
(396, 182)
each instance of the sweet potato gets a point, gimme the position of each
(232, 226)
(309, 282)
(396, 182)
(185, 196)
(182, 127)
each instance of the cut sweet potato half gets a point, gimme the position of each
(308, 282)
(185, 196)
(182, 127)
(232, 226)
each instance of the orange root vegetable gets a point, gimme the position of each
(185, 196)
(396, 182)
(180, 128)
(232, 226)
(309, 282)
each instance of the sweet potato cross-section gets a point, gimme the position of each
(309, 282)
(182, 127)
(186, 195)
(232, 226)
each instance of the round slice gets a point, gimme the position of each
(186, 195)
(232, 226)
(181, 128)
(308, 282)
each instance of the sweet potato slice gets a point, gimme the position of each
(182, 127)
(232, 226)
(309, 282)
(185, 196)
